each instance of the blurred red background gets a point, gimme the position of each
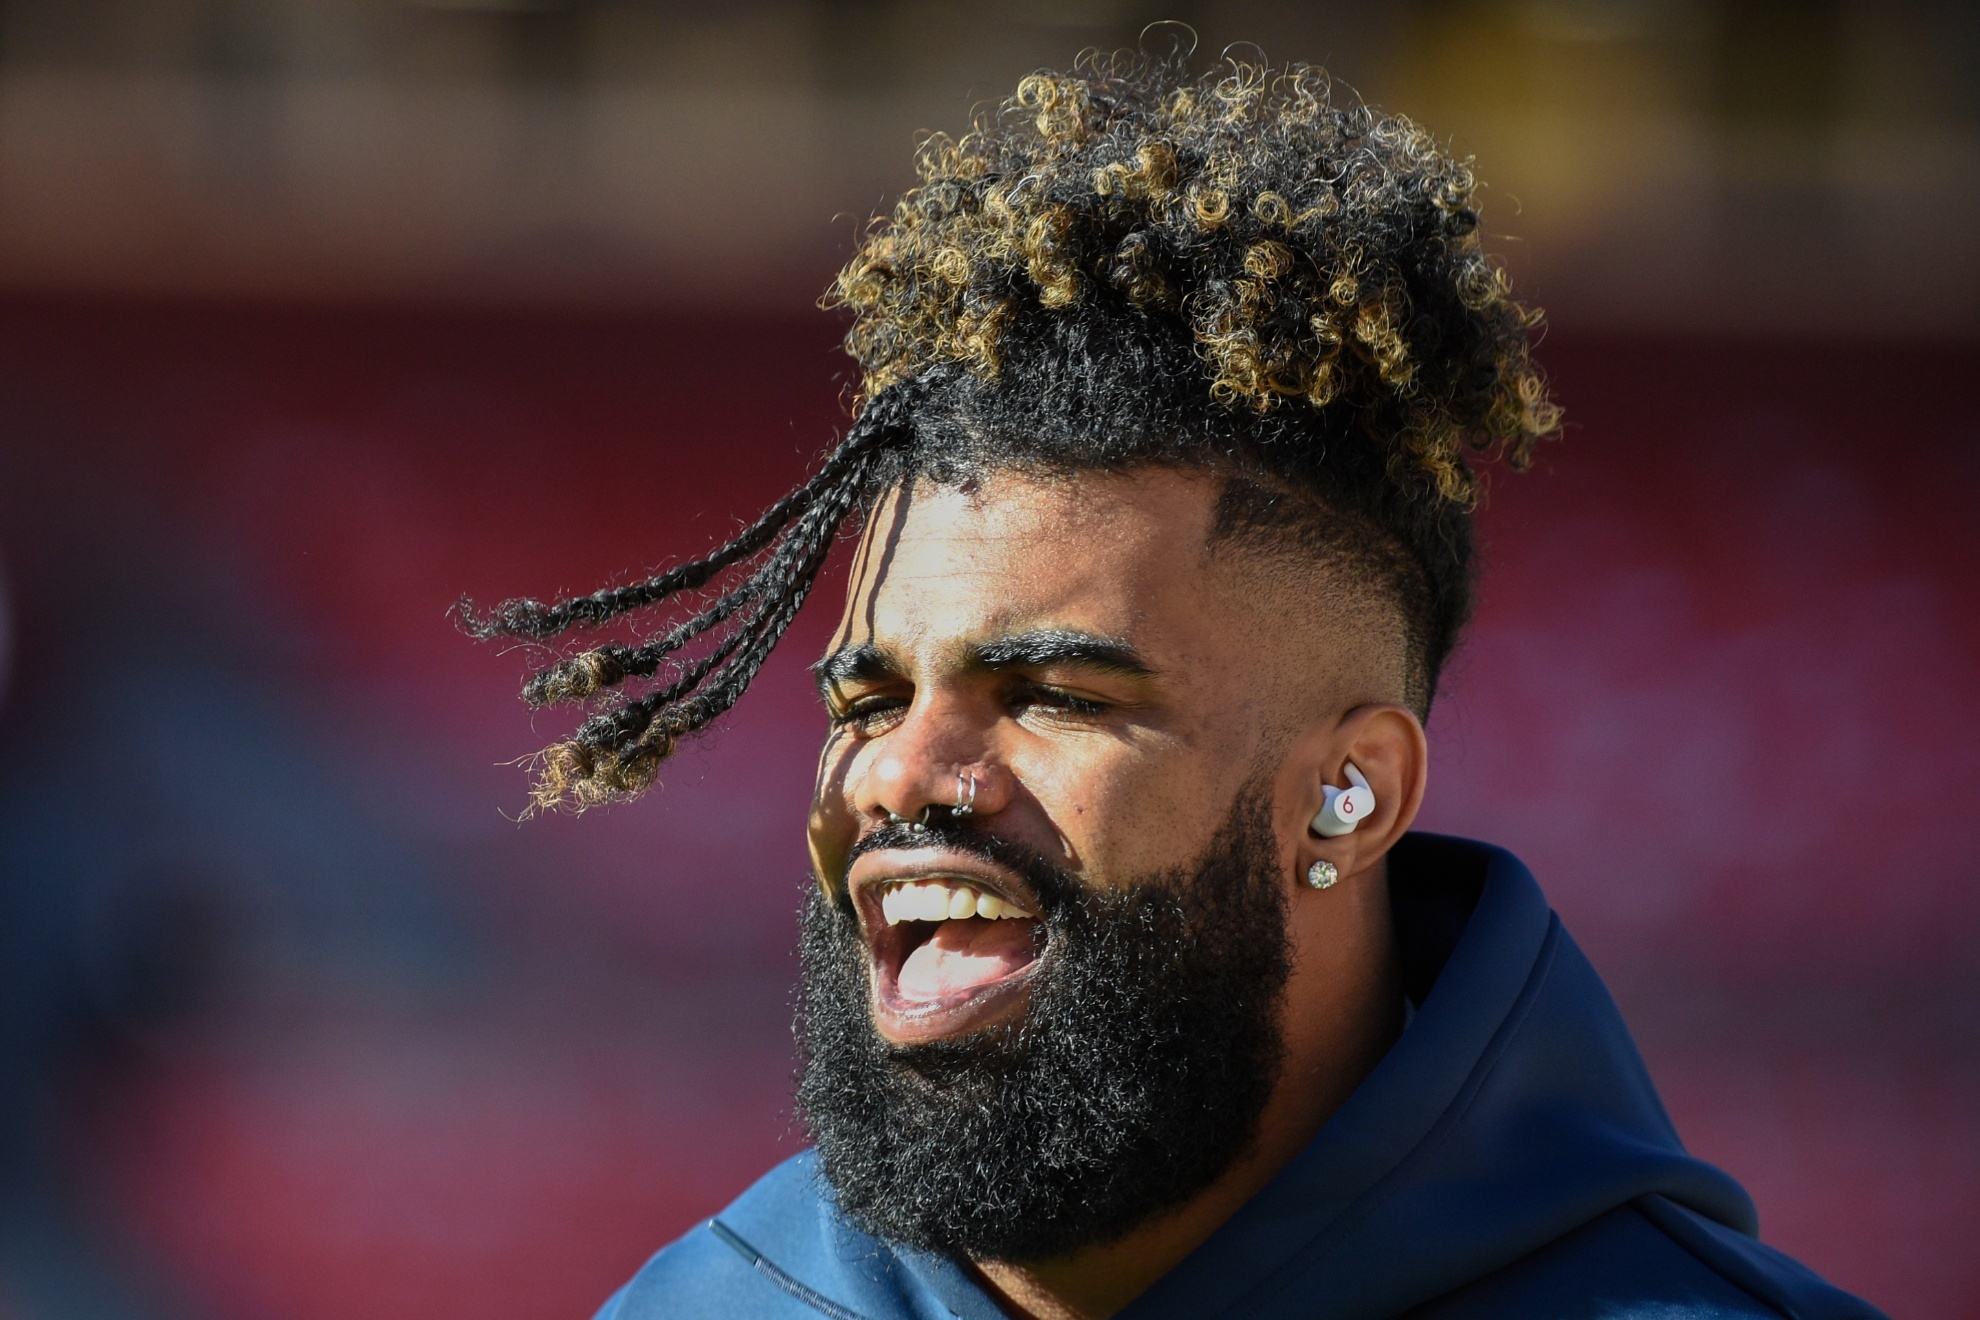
(1720, 694)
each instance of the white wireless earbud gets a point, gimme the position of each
(1346, 807)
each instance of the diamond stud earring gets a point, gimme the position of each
(1322, 875)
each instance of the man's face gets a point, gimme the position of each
(1073, 655)
(1034, 1024)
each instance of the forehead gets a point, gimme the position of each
(1120, 554)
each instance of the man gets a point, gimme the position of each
(1126, 989)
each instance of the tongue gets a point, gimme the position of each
(964, 954)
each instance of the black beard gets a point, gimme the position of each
(1133, 1077)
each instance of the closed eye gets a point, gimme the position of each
(1058, 699)
(866, 715)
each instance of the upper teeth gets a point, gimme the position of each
(943, 900)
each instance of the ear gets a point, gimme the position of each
(1386, 743)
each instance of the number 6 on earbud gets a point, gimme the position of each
(1345, 807)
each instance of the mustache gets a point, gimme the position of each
(1054, 886)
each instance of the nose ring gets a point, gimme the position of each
(965, 804)
(912, 822)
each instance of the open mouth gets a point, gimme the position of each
(949, 954)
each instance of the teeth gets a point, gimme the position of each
(933, 900)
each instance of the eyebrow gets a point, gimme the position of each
(850, 663)
(1035, 648)
(1061, 646)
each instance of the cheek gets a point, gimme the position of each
(834, 819)
(836, 771)
(1127, 812)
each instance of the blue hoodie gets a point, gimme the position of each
(1508, 1158)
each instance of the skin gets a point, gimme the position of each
(1242, 661)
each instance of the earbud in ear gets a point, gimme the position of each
(1346, 807)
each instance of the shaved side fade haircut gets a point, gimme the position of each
(1248, 272)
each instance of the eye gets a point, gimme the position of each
(1043, 696)
(868, 715)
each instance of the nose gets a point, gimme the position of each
(974, 789)
(913, 773)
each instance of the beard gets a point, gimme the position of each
(1135, 1073)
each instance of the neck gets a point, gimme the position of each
(1343, 1011)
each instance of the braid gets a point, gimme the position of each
(616, 754)
(579, 676)
(533, 620)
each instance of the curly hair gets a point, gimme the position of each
(1126, 265)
